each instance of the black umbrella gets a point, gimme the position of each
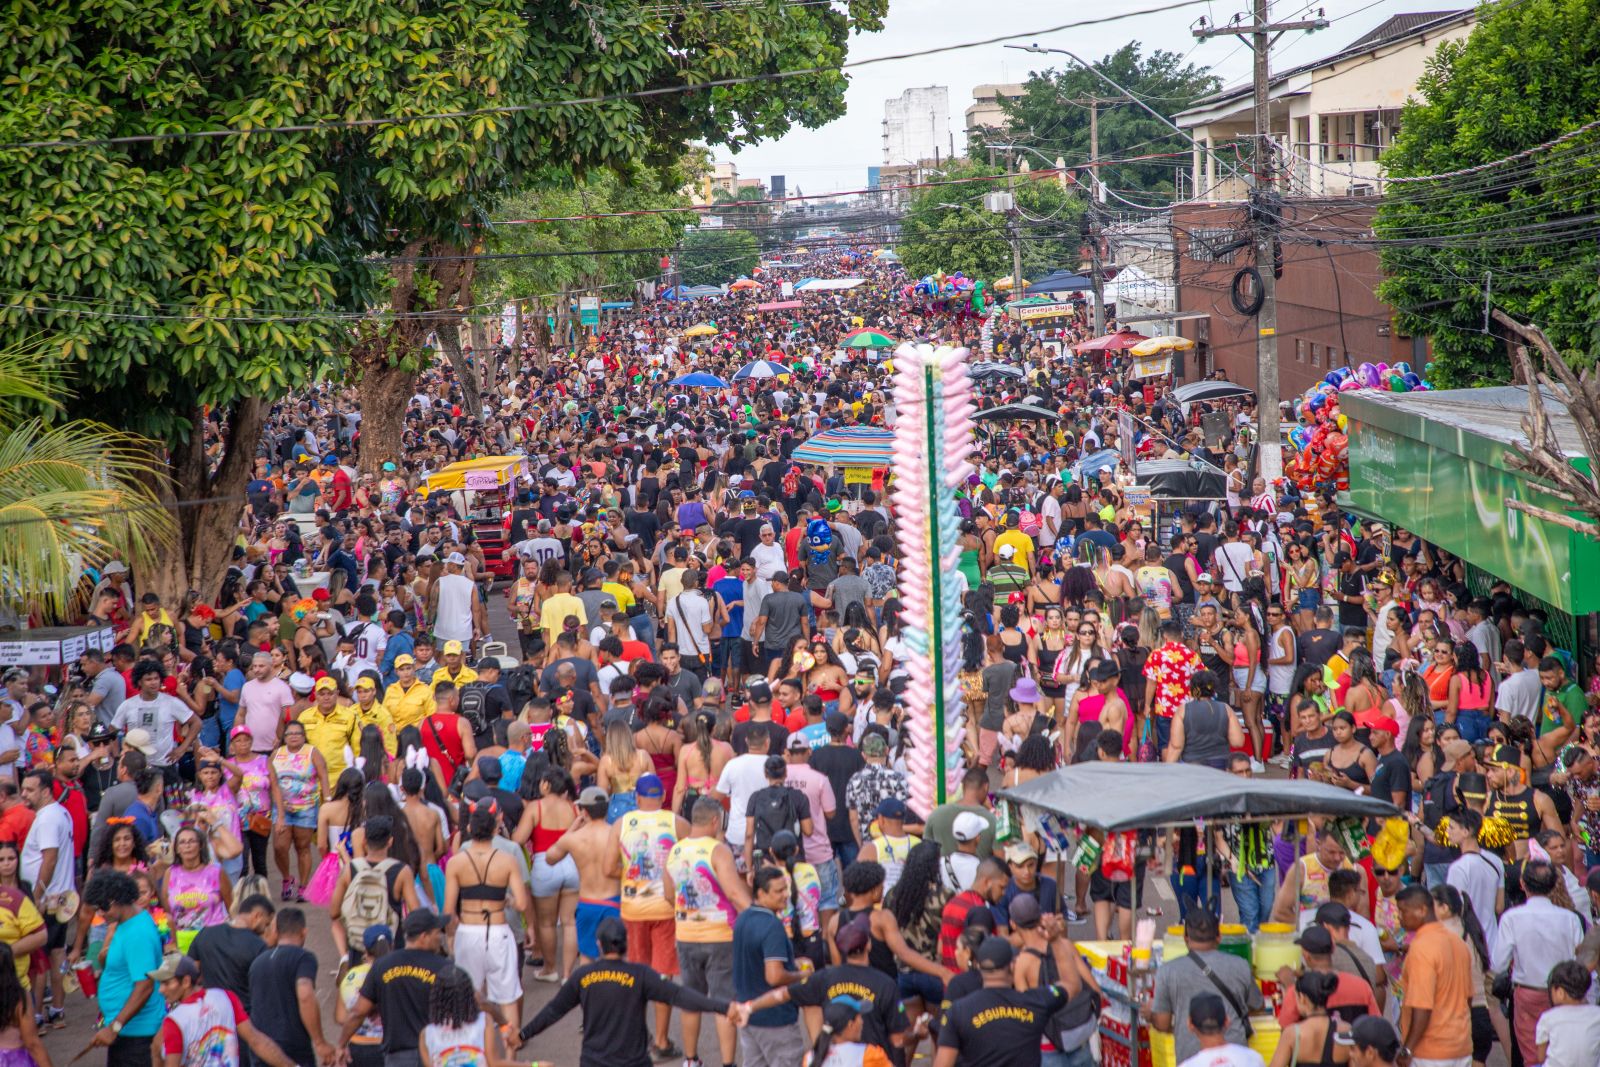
(1016, 413)
(983, 371)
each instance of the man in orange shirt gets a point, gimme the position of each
(1436, 1015)
(16, 818)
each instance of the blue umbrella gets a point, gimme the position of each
(700, 380)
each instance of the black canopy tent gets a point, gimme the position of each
(1061, 281)
(1016, 413)
(985, 369)
(1189, 392)
(1150, 796)
(1178, 479)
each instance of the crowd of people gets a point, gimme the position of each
(681, 787)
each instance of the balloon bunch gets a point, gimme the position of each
(933, 448)
(1320, 441)
(941, 284)
(986, 335)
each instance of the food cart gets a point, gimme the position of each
(1152, 363)
(1116, 798)
(484, 490)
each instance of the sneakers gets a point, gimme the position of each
(666, 1054)
(1282, 759)
(291, 891)
(1256, 766)
(1072, 916)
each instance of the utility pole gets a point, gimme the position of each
(1091, 214)
(1016, 225)
(1265, 214)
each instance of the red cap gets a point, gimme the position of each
(320, 595)
(1384, 723)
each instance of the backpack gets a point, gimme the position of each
(366, 900)
(773, 809)
(519, 686)
(473, 702)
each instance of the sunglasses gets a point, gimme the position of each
(1086, 633)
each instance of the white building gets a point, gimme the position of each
(1331, 119)
(985, 111)
(916, 126)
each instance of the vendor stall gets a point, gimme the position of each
(53, 646)
(484, 491)
(1107, 803)
(1438, 463)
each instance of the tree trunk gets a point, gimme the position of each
(466, 376)
(384, 389)
(204, 548)
(514, 360)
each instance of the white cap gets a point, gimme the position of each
(968, 826)
(300, 682)
(1006, 551)
(456, 559)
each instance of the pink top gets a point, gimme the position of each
(196, 897)
(1089, 708)
(222, 805)
(1473, 697)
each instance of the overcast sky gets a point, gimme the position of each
(835, 157)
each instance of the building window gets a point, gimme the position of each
(1299, 350)
(1315, 360)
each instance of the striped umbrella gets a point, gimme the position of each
(848, 446)
(761, 368)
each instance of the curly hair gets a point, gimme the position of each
(103, 853)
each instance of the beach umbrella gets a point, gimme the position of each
(745, 283)
(848, 446)
(1156, 345)
(1006, 284)
(1016, 413)
(700, 380)
(701, 330)
(1111, 342)
(870, 339)
(761, 368)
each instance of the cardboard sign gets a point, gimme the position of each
(481, 480)
(1137, 496)
(858, 476)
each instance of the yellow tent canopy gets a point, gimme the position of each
(487, 472)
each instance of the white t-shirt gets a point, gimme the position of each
(52, 828)
(769, 559)
(691, 615)
(370, 642)
(1520, 694)
(1364, 936)
(963, 866)
(159, 717)
(1479, 877)
(539, 549)
(1572, 1034)
(1225, 1056)
(740, 778)
(1234, 561)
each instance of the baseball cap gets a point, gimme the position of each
(994, 954)
(874, 745)
(488, 663)
(891, 808)
(388, 465)
(1006, 551)
(1376, 1034)
(174, 965)
(374, 934)
(140, 739)
(239, 728)
(1208, 1014)
(301, 682)
(853, 936)
(489, 768)
(594, 797)
(1020, 852)
(798, 743)
(326, 684)
(419, 922)
(1334, 914)
(456, 559)
(365, 683)
(451, 648)
(1024, 911)
(321, 596)
(404, 660)
(648, 785)
(1317, 940)
(100, 733)
(968, 826)
(1456, 749)
(759, 691)
(837, 722)
(1204, 579)
(1384, 723)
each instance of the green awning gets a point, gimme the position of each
(1436, 463)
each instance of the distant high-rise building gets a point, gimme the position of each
(916, 126)
(985, 112)
(872, 177)
(776, 187)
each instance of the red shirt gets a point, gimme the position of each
(444, 727)
(71, 798)
(632, 650)
(953, 920)
(15, 823)
(791, 547)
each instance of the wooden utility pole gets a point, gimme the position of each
(1265, 216)
(1091, 214)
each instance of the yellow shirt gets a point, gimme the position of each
(1022, 543)
(408, 707)
(646, 839)
(555, 610)
(443, 675)
(378, 716)
(671, 583)
(624, 595)
(15, 925)
(331, 734)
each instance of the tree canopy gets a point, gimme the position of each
(183, 273)
(715, 256)
(945, 228)
(1520, 229)
(1045, 118)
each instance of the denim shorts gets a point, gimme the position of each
(828, 880)
(305, 820)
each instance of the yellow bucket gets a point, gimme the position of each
(1163, 1052)
(1265, 1035)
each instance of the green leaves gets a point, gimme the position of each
(946, 228)
(717, 256)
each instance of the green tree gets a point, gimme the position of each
(946, 228)
(73, 493)
(712, 257)
(184, 275)
(1046, 117)
(1527, 73)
